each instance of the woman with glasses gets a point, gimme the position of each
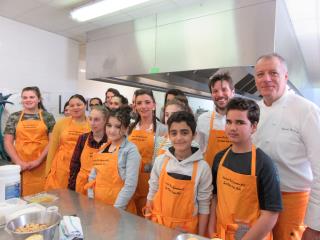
(95, 102)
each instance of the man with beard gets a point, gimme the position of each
(210, 126)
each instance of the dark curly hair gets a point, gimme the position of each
(122, 114)
(244, 104)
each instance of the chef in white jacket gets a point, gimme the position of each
(288, 132)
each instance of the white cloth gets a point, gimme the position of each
(288, 131)
(70, 228)
(203, 183)
(203, 127)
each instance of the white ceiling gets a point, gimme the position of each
(53, 16)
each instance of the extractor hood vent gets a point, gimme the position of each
(246, 84)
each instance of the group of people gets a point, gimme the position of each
(246, 170)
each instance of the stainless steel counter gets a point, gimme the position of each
(100, 221)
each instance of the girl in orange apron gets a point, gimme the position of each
(176, 180)
(64, 138)
(114, 176)
(143, 133)
(236, 207)
(31, 142)
(87, 145)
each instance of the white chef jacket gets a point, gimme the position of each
(289, 131)
(203, 127)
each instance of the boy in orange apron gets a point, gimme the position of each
(247, 197)
(210, 126)
(180, 183)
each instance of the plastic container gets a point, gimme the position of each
(9, 182)
(10, 206)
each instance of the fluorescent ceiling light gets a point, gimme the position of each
(101, 8)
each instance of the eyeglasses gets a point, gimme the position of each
(92, 105)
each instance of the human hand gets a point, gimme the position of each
(33, 164)
(310, 234)
(147, 210)
(24, 165)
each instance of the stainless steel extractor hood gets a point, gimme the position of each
(194, 83)
(182, 49)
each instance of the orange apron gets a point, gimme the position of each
(108, 183)
(217, 141)
(144, 140)
(235, 193)
(31, 139)
(163, 144)
(86, 165)
(173, 204)
(60, 169)
(290, 224)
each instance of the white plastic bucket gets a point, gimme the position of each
(9, 182)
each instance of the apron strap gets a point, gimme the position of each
(253, 161)
(40, 115)
(21, 115)
(194, 171)
(212, 120)
(162, 173)
(90, 184)
(224, 157)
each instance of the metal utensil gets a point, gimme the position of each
(52, 219)
(186, 236)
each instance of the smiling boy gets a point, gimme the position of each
(180, 185)
(247, 197)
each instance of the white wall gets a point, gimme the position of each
(33, 57)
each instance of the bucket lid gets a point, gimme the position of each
(11, 168)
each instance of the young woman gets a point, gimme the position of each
(64, 138)
(171, 107)
(66, 111)
(87, 145)
(145, 133)
(170, 95)
(114, 176)
(26, 139)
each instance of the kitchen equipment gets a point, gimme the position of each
(52, 219)
(9, 182)
(24, 209)
(43, 198)
(188, 236)
(10, 206)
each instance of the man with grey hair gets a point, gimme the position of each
(288, 132)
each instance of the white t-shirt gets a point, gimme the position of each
(203, 127)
